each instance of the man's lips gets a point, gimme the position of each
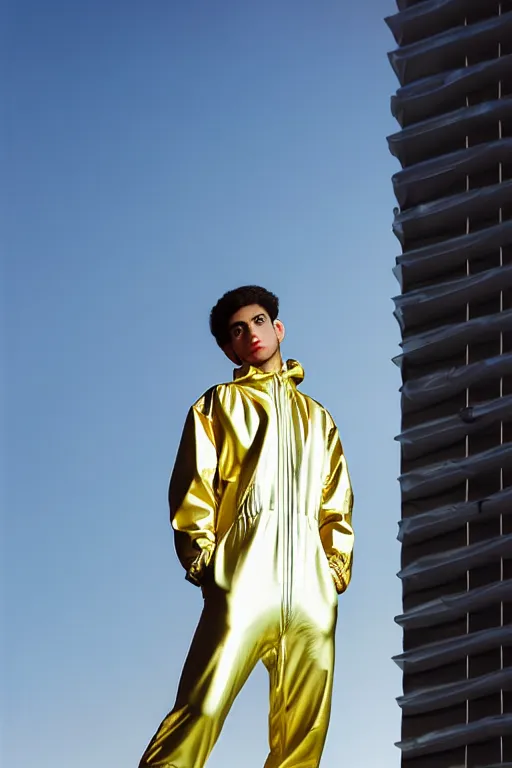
(255, 347)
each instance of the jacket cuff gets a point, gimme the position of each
(340, 566)
(196, 571)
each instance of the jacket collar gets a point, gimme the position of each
(248, 374)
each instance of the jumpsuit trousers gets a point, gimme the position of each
(281, 610)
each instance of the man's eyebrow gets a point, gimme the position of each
(235, 325)
(243, 323)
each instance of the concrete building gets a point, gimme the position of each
(453, 62)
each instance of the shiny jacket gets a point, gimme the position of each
(254, 443)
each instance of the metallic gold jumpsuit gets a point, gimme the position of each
(261, 505)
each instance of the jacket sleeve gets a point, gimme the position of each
(335, 518)
(192, 496)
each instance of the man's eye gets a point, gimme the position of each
(260, 320)
(237, 332)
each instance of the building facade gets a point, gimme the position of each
(453, 61)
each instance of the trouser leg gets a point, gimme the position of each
(301, 673)
(220, 659)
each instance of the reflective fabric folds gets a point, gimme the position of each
(235, 438)
(261, 505)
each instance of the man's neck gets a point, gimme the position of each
(273, 365)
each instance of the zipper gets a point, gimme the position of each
(285, 495)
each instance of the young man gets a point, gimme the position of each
(261, 505)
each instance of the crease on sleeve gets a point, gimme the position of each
(192, 493)
(335, 519)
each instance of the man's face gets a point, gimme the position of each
(254, 338)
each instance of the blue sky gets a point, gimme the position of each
(160, 153)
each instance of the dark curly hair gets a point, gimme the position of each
(234, 300)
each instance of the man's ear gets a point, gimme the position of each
(230, 354)
(280, 330)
